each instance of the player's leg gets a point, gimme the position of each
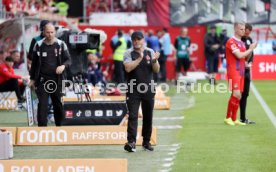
(233, 103)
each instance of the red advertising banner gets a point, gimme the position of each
(264, 67)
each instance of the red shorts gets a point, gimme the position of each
(236, 83)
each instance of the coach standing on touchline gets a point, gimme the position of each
(247, 75)
(140, 63)
(50, 58)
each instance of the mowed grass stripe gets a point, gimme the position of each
(209, 145)
(140, 161)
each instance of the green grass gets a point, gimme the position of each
(209, 145)
(268, 91)
(140, 161)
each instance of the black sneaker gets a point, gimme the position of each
(248, 121)
(147, 146)
(130, 147)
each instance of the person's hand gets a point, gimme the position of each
(105, 73)
(253, 46)
(248, 65)
(25, 78)
(156, 56)
(214, 47)
(31, 83)
(60, 69)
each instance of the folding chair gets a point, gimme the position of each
(4, 98)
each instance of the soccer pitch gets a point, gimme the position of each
(191, 137)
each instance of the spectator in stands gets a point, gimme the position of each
(182, 44)
(166, 50)
(129, 6)
(102, 7)
(48, 6)
(2, 57)
(18, 61)
(212, 45)
(90, 7)
(9, 81)
(94, 73)
(117, 6)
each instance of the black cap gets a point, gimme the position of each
(42, 24)
(137, 34)
(9, 59)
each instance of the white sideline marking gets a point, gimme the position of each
(174, 145)
(267, 110)
(167, 164)
(168, 127)
(172, 153)
(174, 149)
(165, 170)
(169, 159)
(169, 118)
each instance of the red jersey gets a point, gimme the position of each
(7, 73)
(235, 66)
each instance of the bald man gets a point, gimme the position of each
(50, 58)
(236, 53)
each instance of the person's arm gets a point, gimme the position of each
(248, 52)
(5, 72)
(66, 59)
(131, 64)
(117, 44)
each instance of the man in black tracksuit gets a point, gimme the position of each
(50, 58)
(247, 76)
(140, 62)
(212, 47)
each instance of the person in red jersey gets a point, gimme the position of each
(235, 57)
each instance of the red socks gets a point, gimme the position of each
(233, 106)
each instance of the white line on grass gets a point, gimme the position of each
(268, 111)
(172, 145)
(169, 159)
(169, 118)
(168, 164)
(168, 126)
(172, 153)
